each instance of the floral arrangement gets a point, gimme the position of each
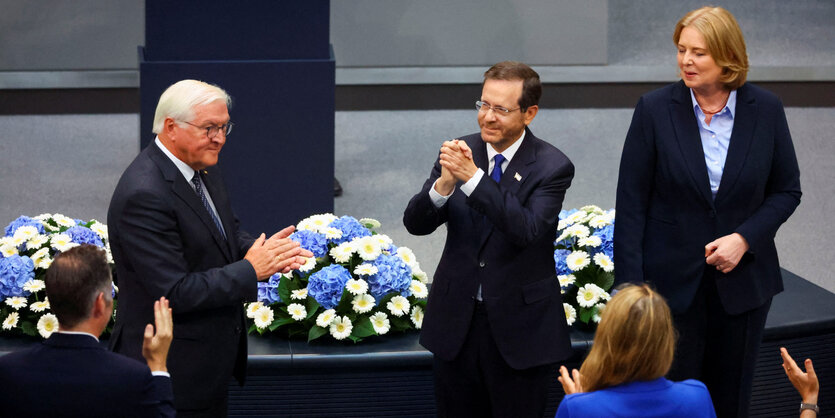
(26, 251)
(357, 284)
(583, 257)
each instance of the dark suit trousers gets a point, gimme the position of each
(719, 349)
(479, 383)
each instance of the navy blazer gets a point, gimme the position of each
(164, 243)
(501, 236)
(75, 376)
(666, 213)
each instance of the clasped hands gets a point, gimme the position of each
(456, 161)
(725, 252)
(276, 254)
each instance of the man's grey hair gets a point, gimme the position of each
(179, 100)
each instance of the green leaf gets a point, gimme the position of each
(316, 332)
(251, 329)
(285, 287)
(363, 328)
(311, 306)
(281, 322)
(586, 314)
(345, 302)
(29, 328)
(400, 323)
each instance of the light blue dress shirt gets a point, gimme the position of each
(716, 138)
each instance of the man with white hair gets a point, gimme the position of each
(173, 234)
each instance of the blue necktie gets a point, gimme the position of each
(497, 167)
(199, 189)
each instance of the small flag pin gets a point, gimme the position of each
(517, 177)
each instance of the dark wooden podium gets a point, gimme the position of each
(275, 60)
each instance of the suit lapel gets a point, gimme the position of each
(186, 193)
(742, 136)
(687, 134)
(224, 207)
(520, 166)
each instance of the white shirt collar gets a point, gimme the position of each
(187, 171)
(77, 333)
(509, 152)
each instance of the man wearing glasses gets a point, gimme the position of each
(173, 234)
(495, 320)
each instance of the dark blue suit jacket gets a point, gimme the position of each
(164, 243)
(75, 376)
(501, 236)
(665, 211)
(658, 398)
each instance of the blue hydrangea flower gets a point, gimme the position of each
(23, 221)
(393, 275)
(84, 235)
(606, 235)
(327, 284)
(268, 290)
(559, 262)
(350, 227)
(311, 241)
(15, 271)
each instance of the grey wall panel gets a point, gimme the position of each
(41, 35)
(380, 33)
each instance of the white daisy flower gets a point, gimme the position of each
(108, 253)
(43, 217)
(600, 221)
(16, 302)
(17, 241)
(562, 224)
(63, 220)
(363, 303)
(309, 264)
(368, 248)
(600, 307)
(252, 309)
(37, 241)
(100, 229)
(407, 255)
(47, 325)
(11, 320)
(316, 223)
(420, 274)
(325, 318)
(605, 295)
(26, 232)
(300, 294)
(380, 322)
(370, 223)
(8, 250)
(419, 290)
(398, 306)
(566, 279)
(34, 285)
(341, 327)
(342, 253)
(39, 306)
(604, 262)
(384, 240)
(41, 258)
(576, 217)
(365, 269)
(297, 311)
(332, 233)
(592, 208)
(590, 241)
(62, 242)
(570, 313)
(356, 286)
(264, 316)
(417, 316)
(579, 231)
(577, 260)
(589, 295)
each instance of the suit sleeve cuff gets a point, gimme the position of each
(161, 373)
(469, 187)
(436, 197)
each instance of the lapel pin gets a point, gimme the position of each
(517, 177)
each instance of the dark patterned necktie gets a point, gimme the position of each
(497, 167)
(199, 189)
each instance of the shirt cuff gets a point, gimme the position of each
(436, 197)
(161, 373)
(469, 186)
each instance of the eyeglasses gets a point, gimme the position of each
(484, 107)
(212, 130)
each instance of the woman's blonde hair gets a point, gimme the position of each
(724, 42)
(635, 340)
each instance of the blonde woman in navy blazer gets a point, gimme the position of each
(708, 175)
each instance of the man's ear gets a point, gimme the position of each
(99, 306)
(530, 113)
